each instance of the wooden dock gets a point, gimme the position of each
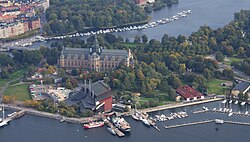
(109, 124)
(237, 122)
(189, 124)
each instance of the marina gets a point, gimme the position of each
(179, 15)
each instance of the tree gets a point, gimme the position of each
(137, 39)
(8, 99)
(74, 72)
(174, 81)
(246, 97)
(219, 56)
(144, 38)
(228, 73)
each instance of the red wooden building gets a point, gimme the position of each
(188, 93)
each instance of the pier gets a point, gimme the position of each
(206, 121)
(189, 124)
(109, 124)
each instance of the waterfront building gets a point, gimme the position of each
(95, 58)
(95, 96)
(243, 87)
(188, 93)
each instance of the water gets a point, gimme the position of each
(39, 129)
(205, 12)
(213, 13)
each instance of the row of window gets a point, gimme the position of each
(79, 63)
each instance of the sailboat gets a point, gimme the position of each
(4, 121)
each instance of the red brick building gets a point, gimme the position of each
(188, 93)
(34, 24)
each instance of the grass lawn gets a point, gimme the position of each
(3, 82)
(12, 76)
(160, 94)
(130, 44)
(232, 59)
(19, 91)
(17, 74)
(215, 87)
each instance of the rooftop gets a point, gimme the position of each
(242, 86)
(188, 92)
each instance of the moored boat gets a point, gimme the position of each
(121, 124)
(112, 131)
(145, 122)
(219, 121)
(93, 124)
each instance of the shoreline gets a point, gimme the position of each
(177, 105)
(82, 120)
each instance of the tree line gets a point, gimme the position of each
(66, 16)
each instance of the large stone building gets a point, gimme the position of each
(94, 59)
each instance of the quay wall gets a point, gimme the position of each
(176, 105)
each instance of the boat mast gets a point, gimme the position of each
(3, 111)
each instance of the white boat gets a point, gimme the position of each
(230, 101)
(236, 102)
(230, 114)
(145, 122)
(224, 101)
(243, 103)
(112, 131)
(11, 114)
(219, 121)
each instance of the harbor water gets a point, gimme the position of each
(39, 129)
(204, 12)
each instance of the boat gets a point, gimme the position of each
(136, 115)
(11, 114)
(243, 103)
(145, 122)
(224, 101)
(63, 119)
(236, 102)
(121, 124)
(94, 124)
(230, 114)
(112, 131)
(219, 121)
(3, 122)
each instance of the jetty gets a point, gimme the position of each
(109, 124)
(206, 121)
(189, 124)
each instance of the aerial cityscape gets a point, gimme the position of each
(124, 70)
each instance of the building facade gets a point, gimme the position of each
(94, 59)
(96, 96)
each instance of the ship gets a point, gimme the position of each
(121, 124)
(219, 121)
(112, 131)
(93, 124)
